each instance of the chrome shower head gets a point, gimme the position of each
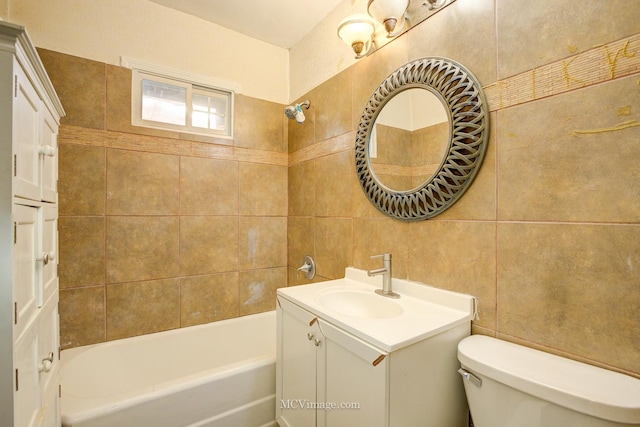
(295, 111)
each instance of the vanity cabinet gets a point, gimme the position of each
(328, 377)
(346, 356)
(30, 113)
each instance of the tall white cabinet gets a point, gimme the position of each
(30, 114)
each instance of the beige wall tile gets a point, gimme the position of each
(141, 183)
(464, 32)
(334, 246)
(263, 189)
(81, 180)
(300, 240)
(303, 135)
(258, 289)
(82, 316)
(81, 86)
(263, 242)
(559, 28)
(333, 106)
(301, 188)
(82, 251)
(208, 186)
(141, 248)
(458, 256)
(575, 289)
(551, 172)
(208, 244)
(142, 308)
(375, 236)
(258, 124)
(209, 298)
(335, 176)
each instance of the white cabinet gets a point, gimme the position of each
(328, 376)
(29, 331)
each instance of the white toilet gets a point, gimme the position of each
(508, 385)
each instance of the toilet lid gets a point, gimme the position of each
(580, 387)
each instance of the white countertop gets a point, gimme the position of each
(427, 311)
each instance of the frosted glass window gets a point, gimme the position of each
(164, 103)
(172, 104)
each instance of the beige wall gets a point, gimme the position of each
(546, 237)
(105, 31)
(160, 230)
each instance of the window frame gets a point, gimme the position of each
(192, 83)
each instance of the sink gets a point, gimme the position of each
(362, 304)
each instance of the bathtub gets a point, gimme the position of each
(220, 374)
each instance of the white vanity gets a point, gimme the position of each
(347, 356)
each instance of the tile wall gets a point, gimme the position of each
(547, 236)
(160, 230)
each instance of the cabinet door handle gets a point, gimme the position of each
(46, 364)
(309, 336)
(378, 360)
(47, 150)
(317, 342)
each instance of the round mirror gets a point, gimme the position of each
(409, 139)
(415, 181)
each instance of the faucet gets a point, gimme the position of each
(386, 290)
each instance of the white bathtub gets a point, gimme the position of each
(220, 374)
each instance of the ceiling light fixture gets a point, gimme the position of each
(391, 13)
(357, 31)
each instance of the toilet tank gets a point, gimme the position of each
(526, 387)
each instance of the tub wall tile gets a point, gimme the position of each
(141, 248)
(82, 251)
(208, 298)
(258, 289)
(141, 183)
(142, 308)
(260, 189)
(81, 180)
(204, 183)
(208, 244)
(82, 311)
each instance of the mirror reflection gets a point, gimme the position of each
(409, 139)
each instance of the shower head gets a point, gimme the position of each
(295, 111)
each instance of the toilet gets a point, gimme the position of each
(508, 385)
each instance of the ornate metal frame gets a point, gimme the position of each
(469, 128)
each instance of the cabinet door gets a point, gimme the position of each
(26, 137)
(48, 339)
(49, 157)
(352, 381)
(296, 366)
(27, 388)
(25, 280)
(48, 253)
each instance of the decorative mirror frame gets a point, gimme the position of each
(469, 129)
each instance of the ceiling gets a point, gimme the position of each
(278, 22)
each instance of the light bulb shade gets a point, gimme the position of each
(357, 31)
(390, 13)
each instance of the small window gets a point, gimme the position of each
(166, 103)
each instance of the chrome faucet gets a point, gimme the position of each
(386, 290)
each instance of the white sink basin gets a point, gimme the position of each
(389, 324)
(363, 304)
